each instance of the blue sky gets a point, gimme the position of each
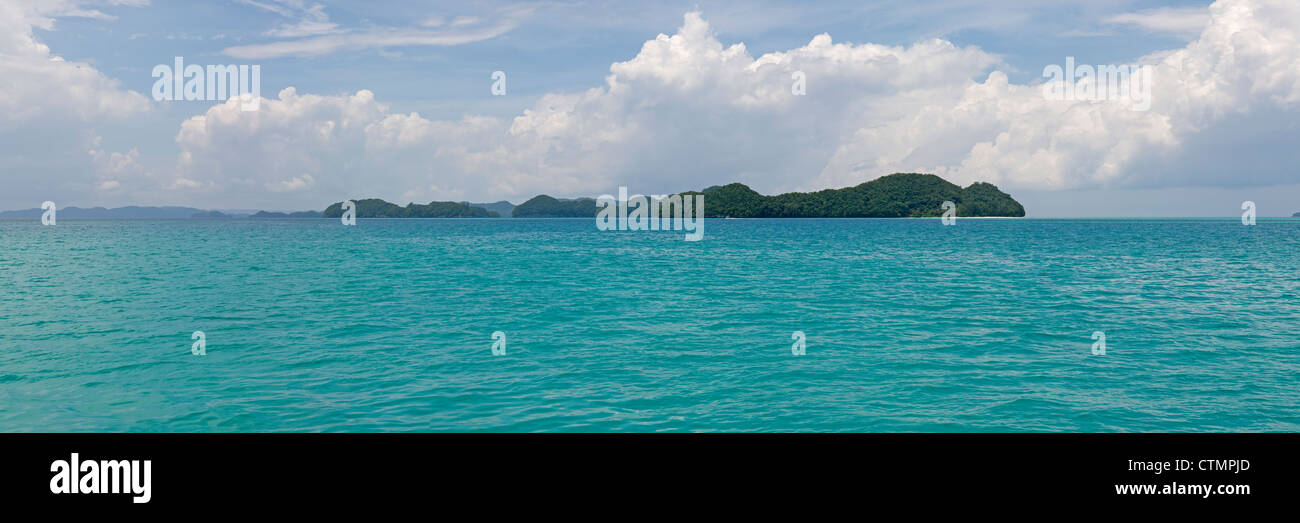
(946, 87)
(568, 46)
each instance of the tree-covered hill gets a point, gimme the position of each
(376, 208)
(547, 207)
(265, 215)
(901, 195)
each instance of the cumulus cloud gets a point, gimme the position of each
(116, 172)
(50, 106)
(36, 84)
(1245, 64)
(297, 183)
(313, 148)
(684, 107)
(115, 162)
(688, 111)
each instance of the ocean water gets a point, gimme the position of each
(910, 326)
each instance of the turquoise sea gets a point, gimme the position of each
(910, 326)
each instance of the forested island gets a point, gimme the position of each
(376, 208)
(264, 215)
(547, 207)
(900, 195)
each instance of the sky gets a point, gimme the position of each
(395, 100)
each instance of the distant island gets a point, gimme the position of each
(899, 195)
(1296, 215)
(547, 207)
(376, 208)
(136, 212)
(502, 208)
(99, 213)
(263, 215)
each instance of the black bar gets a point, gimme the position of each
(319, 471)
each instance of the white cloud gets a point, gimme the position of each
(50, 106)
(377, 39)
(297, 183)
(287, 8)
(1181, 21)
(464, 20)
(688, 111)
(312, 21)
(325, 37)
(116, 163)
(325, 148)
(1245, 63)
(36, 84)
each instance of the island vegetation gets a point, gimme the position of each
(265, 215)
(503, 208)
(547, 207)
(901, 195)
(376, 208)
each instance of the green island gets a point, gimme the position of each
(547, 207)
(264, 215)
(376, 208)
(899, 195)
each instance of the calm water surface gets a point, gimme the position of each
(911, 326)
